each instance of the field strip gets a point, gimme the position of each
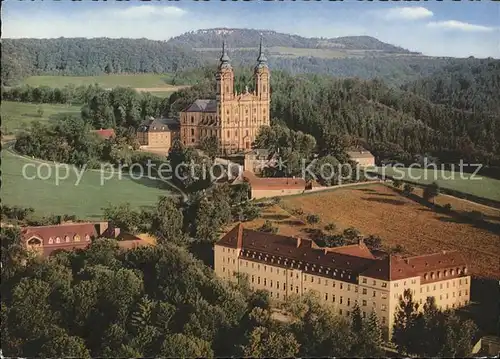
(468, 201)
(160, 89)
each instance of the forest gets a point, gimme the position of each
(393, 123)
(87, 57)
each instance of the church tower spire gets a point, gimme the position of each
(261, 60)
(224, 59)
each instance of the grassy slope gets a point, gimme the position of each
(84, 200)
(17, 116)
(139, 80)
(484, 187)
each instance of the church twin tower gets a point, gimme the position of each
(234, 119)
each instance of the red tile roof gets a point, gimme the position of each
(64, 236)
(357, 250)
(397, 267)
(105, 133)
(259, 183)
(347, 262)
(294, 252)
(77, 235)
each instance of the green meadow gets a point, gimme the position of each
(107, 81)
(17, 116)
(84, 199)
(467, 183)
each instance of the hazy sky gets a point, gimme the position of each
(464, 28)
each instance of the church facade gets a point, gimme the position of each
(234, 119)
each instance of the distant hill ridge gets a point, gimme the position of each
(242, 38)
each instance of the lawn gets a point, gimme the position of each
(17, 116)
(84, 200)
(379, 210)
(106, 81)
(478, 185)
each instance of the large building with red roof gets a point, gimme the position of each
(69, 236)
(262, 187)
(342, 276)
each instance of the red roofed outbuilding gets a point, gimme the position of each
(105, 133)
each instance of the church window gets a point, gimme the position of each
(192, 132)
(192, 119)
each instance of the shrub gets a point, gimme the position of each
(373, 242)
(250, 212)
(408, 188)
(397, 183)
(330, 227)
(268, 228)
(447, 207)
(398, 248)
(431, 191)
(276, 200)
(351, 234)
(39, 111)
(297, 211)
(313, 218)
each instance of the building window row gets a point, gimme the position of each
(68, 239)
(445, 273)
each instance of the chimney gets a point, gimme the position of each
(117, 232)
(361, 242)
(298, 241)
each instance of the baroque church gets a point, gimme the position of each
(234, 119)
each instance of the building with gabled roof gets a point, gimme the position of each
(361, 156)
(44, 240)
(157, 133)
(234, 119)
(342, 276)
